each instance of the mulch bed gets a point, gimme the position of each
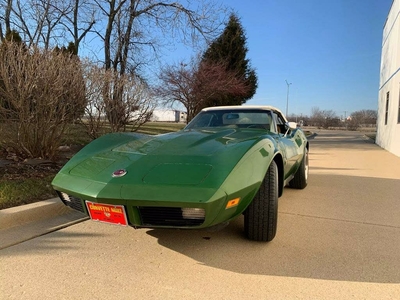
(12, 168)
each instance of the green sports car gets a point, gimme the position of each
(227, 161)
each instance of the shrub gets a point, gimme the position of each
(40, 93)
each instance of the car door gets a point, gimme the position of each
(289, 142)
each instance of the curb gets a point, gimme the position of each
(26, 222)
(29, 213)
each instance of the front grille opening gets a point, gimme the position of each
(71, 201)
(171, 216)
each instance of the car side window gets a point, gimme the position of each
(274, 128)
(280, 123)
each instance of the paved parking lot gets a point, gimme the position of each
(337, 239)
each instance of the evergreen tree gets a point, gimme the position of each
(13, 36)
(230, 48)
(70, 49)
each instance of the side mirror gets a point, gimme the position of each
(290, 126)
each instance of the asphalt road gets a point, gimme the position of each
(337, 239)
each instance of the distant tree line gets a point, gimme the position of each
(45, 84)
(329, 119)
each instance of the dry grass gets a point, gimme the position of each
(19, 192)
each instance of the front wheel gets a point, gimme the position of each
(261, 216)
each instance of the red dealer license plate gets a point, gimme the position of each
(114, 214)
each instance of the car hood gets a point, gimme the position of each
(201, 158)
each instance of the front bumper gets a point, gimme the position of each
(158, 215)
(169, 214)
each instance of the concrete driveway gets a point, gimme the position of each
(337, 239)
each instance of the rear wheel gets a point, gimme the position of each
(300, 179)
(261, 216)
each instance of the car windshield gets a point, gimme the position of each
(232, 118)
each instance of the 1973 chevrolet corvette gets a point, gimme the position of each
(226, 162)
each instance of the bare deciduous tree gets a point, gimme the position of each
(324, 118)
(360, 118)
(6, 5)
(125, 28)
(38, 21)
(196, 84)
(80, 20)
(135, 109)
(177, 85)
(41, 92)
(134, 24)
(49, 23)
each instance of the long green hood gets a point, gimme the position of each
(198, 159)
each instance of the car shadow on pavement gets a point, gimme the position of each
(342, 237)
(332, 260)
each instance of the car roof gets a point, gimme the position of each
(243, 107)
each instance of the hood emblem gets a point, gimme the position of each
(119, 173)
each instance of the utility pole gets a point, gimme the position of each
(287, 97)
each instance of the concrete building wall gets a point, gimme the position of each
(388, 123)
(168, 115)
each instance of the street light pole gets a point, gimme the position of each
(287, 97)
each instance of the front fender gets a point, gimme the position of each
(246, 177)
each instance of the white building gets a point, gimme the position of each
(168, 115)
(388, 124)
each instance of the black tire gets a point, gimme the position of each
(300, 179)
(261, 216)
